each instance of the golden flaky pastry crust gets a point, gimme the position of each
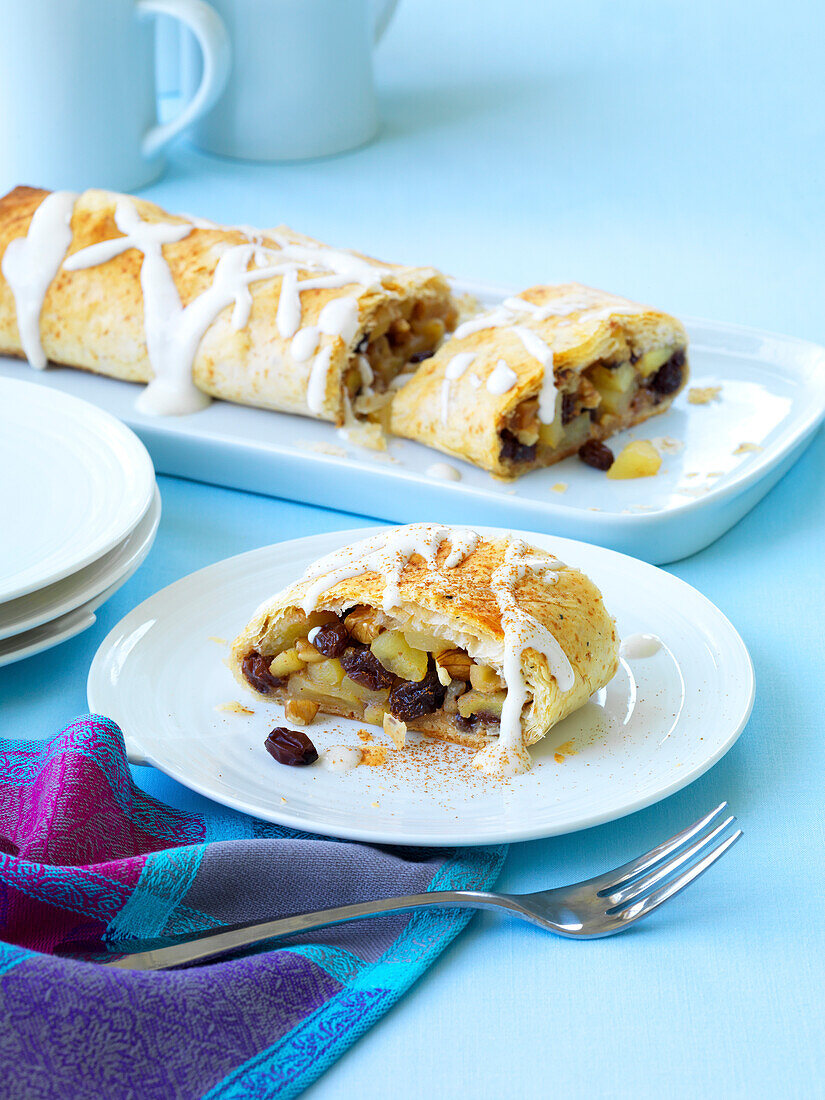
(459, 605)
(607, 328)
(94, 318)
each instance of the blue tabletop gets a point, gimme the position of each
(672, 152)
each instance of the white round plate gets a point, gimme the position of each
(64, 626)
(55, 600)
(660, 724)
(75, 483)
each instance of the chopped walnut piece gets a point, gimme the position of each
(396, 730)
(456, 662)
(300, 711)
(703, 395)
(363, 624)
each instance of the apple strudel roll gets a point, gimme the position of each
(535, 379)
(113, 284)
(484, 642)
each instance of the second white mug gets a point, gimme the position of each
(302, 78)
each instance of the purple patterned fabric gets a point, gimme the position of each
(89, 864)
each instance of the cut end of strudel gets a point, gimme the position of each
(484, 642)
(529, 382)
(270, 318)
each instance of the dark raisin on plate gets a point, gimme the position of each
(365, 669)
(290, 747)
(596, 454)
(668, 378)
(515, 451)
(331, 639)
(255, 668)
(411, 699)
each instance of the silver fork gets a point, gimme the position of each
(599, 906)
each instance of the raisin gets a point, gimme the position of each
(568, 407)
(255, 668)
(290, 747)
(365, 669)
(410, 699)
(514, 451)
(595, 454)
(420, 356)
(465, 724)
(668, 378)
(332, 639)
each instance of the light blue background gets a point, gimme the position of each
(672, 152)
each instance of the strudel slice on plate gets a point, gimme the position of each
(114, 284)
(532, 380)
(484, 642)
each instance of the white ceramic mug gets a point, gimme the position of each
(78, 106)
(302, 80)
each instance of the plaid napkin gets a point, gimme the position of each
(91, 863)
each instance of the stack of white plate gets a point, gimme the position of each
(79, 510)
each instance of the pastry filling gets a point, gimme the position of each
(603, 398)
(400, 334)
(363, 664)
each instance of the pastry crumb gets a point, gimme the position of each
(365, 735)
(703, 395)
(374, 756)
(233, 707)
(558, 757)
(375, 805)
(747, 448)
(323, 448)
(283, 799)
(715, 473)
(667, 446)
(560, 487)
(693, 473)
(698, 491)
(218, 641)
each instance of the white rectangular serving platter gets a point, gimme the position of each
(772, 401)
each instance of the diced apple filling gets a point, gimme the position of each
(362, 664)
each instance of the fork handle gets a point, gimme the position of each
(214, 944)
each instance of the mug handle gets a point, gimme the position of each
(208, 28)
(384, 11)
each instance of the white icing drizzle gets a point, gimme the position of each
(313, 634)
(443, 471)
(454, 369)
(474, 381)
(521, 632)
(339, 317)
(288, 316)
(502, 379)
(304, 343)
(317, 386)
(387, 554)
(31, 263)
(636, 647)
